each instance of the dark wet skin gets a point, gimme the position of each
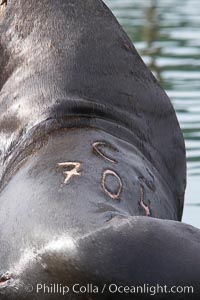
(92, 159)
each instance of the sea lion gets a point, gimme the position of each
(92, 160)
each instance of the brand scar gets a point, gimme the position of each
(74, 170)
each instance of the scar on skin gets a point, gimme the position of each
(3, 2)
(99, 152)
(75, 171)
(145, 207)
(4, 278)
(105, 174)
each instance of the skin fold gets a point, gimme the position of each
(92, 160)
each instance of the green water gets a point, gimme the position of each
(166, 33)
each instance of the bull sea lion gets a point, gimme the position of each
(92, 160)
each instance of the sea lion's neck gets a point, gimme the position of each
(115, 173)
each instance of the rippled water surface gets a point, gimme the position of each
(166, 33)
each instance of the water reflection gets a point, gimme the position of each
(166, 34)
(150, 35)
